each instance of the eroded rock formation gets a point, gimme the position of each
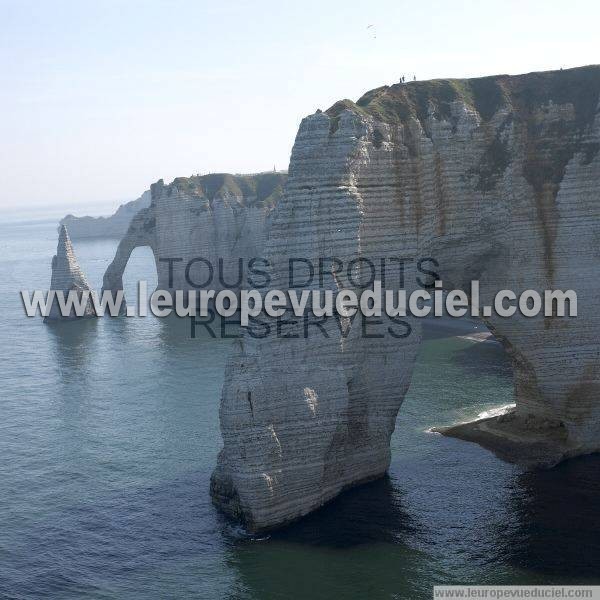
(114, 226)
(497, 179)
(217, 217)
(67, 276)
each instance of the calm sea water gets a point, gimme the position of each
(109, 432)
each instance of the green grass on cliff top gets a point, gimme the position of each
(262, 188)
(397, 103)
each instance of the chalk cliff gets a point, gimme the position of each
(214, 217)
(114, 226)
(66, 276)
(496, 178)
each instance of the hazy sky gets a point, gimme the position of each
(100, 98)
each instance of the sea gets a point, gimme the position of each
(109, 431)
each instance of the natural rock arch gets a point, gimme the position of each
(498, 179)
(215, 217)
(141, 232)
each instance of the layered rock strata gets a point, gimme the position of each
(114, 226)
(67, 276)
(498, 180)
(221, 219)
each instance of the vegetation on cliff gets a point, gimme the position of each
(579, 87)
(260, 189)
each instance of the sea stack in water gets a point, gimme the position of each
(67, 276)
(496, 178)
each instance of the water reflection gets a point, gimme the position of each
(559, 520)
(364, 515)
(109, 433)
(357, 546)
(73, 345)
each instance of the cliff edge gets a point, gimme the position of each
(114, 226)
(498, 179)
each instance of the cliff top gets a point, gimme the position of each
(397, 103)
(260, 188)
(550, 144)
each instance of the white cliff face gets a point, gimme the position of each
(114, 226)
(198, 221)
(497, 179)
(67, 276)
